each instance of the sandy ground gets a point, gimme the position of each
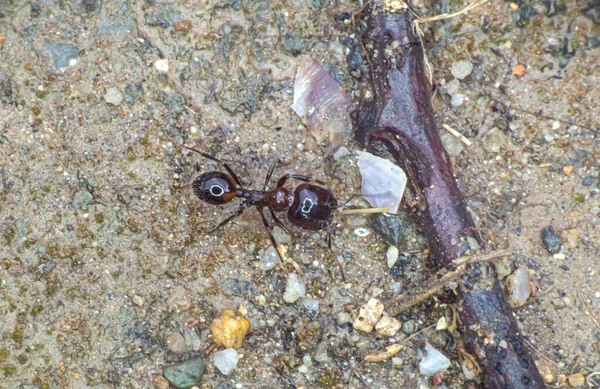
(103, 257)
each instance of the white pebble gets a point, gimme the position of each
(392, 256)
(226, 360)
(518, 286)
(302, 369)
(294, 289)
(113, 96)
(434, 362)
(388, 326)
(269, 259)
(461, 69)
(361, 232)
(457, 100)
(383, 182)
(307, 360)
(162, 65)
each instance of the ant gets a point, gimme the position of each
(309, 207)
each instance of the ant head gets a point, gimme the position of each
(215, 188)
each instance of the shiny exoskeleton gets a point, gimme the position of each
(310, 206)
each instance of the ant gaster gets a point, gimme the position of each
(309, 207)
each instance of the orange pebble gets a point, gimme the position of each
(519, 70)
(568, 170)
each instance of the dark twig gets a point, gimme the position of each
(400, 117)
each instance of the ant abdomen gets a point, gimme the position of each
(312, 208)
(215, 188)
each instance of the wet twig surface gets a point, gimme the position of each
(400, 116)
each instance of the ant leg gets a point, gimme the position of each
(230, 218)
(273, 242)
(269, 174)
(279, 222)
(334, 258)
(298, 177)
(225, 165)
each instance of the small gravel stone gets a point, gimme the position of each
(63, 54)
(162, 65)
(494, 140)
(589, 180)
(453, 87)
(392, 256)
(408, 327)
(192, 340)
(576, 380)
(185, 375)
(226, 360)
(113, 96)
(294, 289)
(457, 100)
(230, 329)
(176, 343)
(368, 315)
(461, 69)
(138, 300)
(433, 362)
(269, 259)
(503, 268)
(388, 326)
(281, 237)
(341, 153)
(551, 240)
(311, 304)
(302, 369)
(179, 300)
(82, 199)
(397, 361)
(518, 287)
(452, 145)
(160, 382)
(545, 370)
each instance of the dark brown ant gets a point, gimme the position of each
(309, 207)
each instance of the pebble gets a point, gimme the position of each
(545, 370)
(457, 100)
(229, 329)
(138, 300)
(341, 153)
(63, 54)
(113, 96)
(558, 303)
(452, 145)
(361, 232)
(388, 326)
(434, 362)
(179, 300)
(397, 361)
(192, 340)
(226, 360)
(518, 286)
(269, 259)
(82, 199)
(281, 236)
(294, 289)
(588, 180)
(551, 240)
(176, 343)
(307, 360)
(408, 327)
(160, 382)
(311, 304)
(461, 69)
(468, 369)
(302, 369)
(392, 256)
(453, 87)
(187, 374)
(494, 140)
(162, 65)
(503, 269)
(576, 380)
(368, 315)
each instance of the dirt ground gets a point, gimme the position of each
(103, 257)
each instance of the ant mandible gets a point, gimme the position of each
(309, 207)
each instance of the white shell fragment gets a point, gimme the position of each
(383, 182)
(368, 315)
(324, 103)
(518, 287)
(434, 362)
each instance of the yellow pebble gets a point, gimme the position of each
(229, 329)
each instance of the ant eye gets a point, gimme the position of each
(215, 188)
(217, 191)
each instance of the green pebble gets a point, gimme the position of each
(186, 374)
(579, 198)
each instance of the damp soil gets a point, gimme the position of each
(102, 250)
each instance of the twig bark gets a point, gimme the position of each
(400, 116)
